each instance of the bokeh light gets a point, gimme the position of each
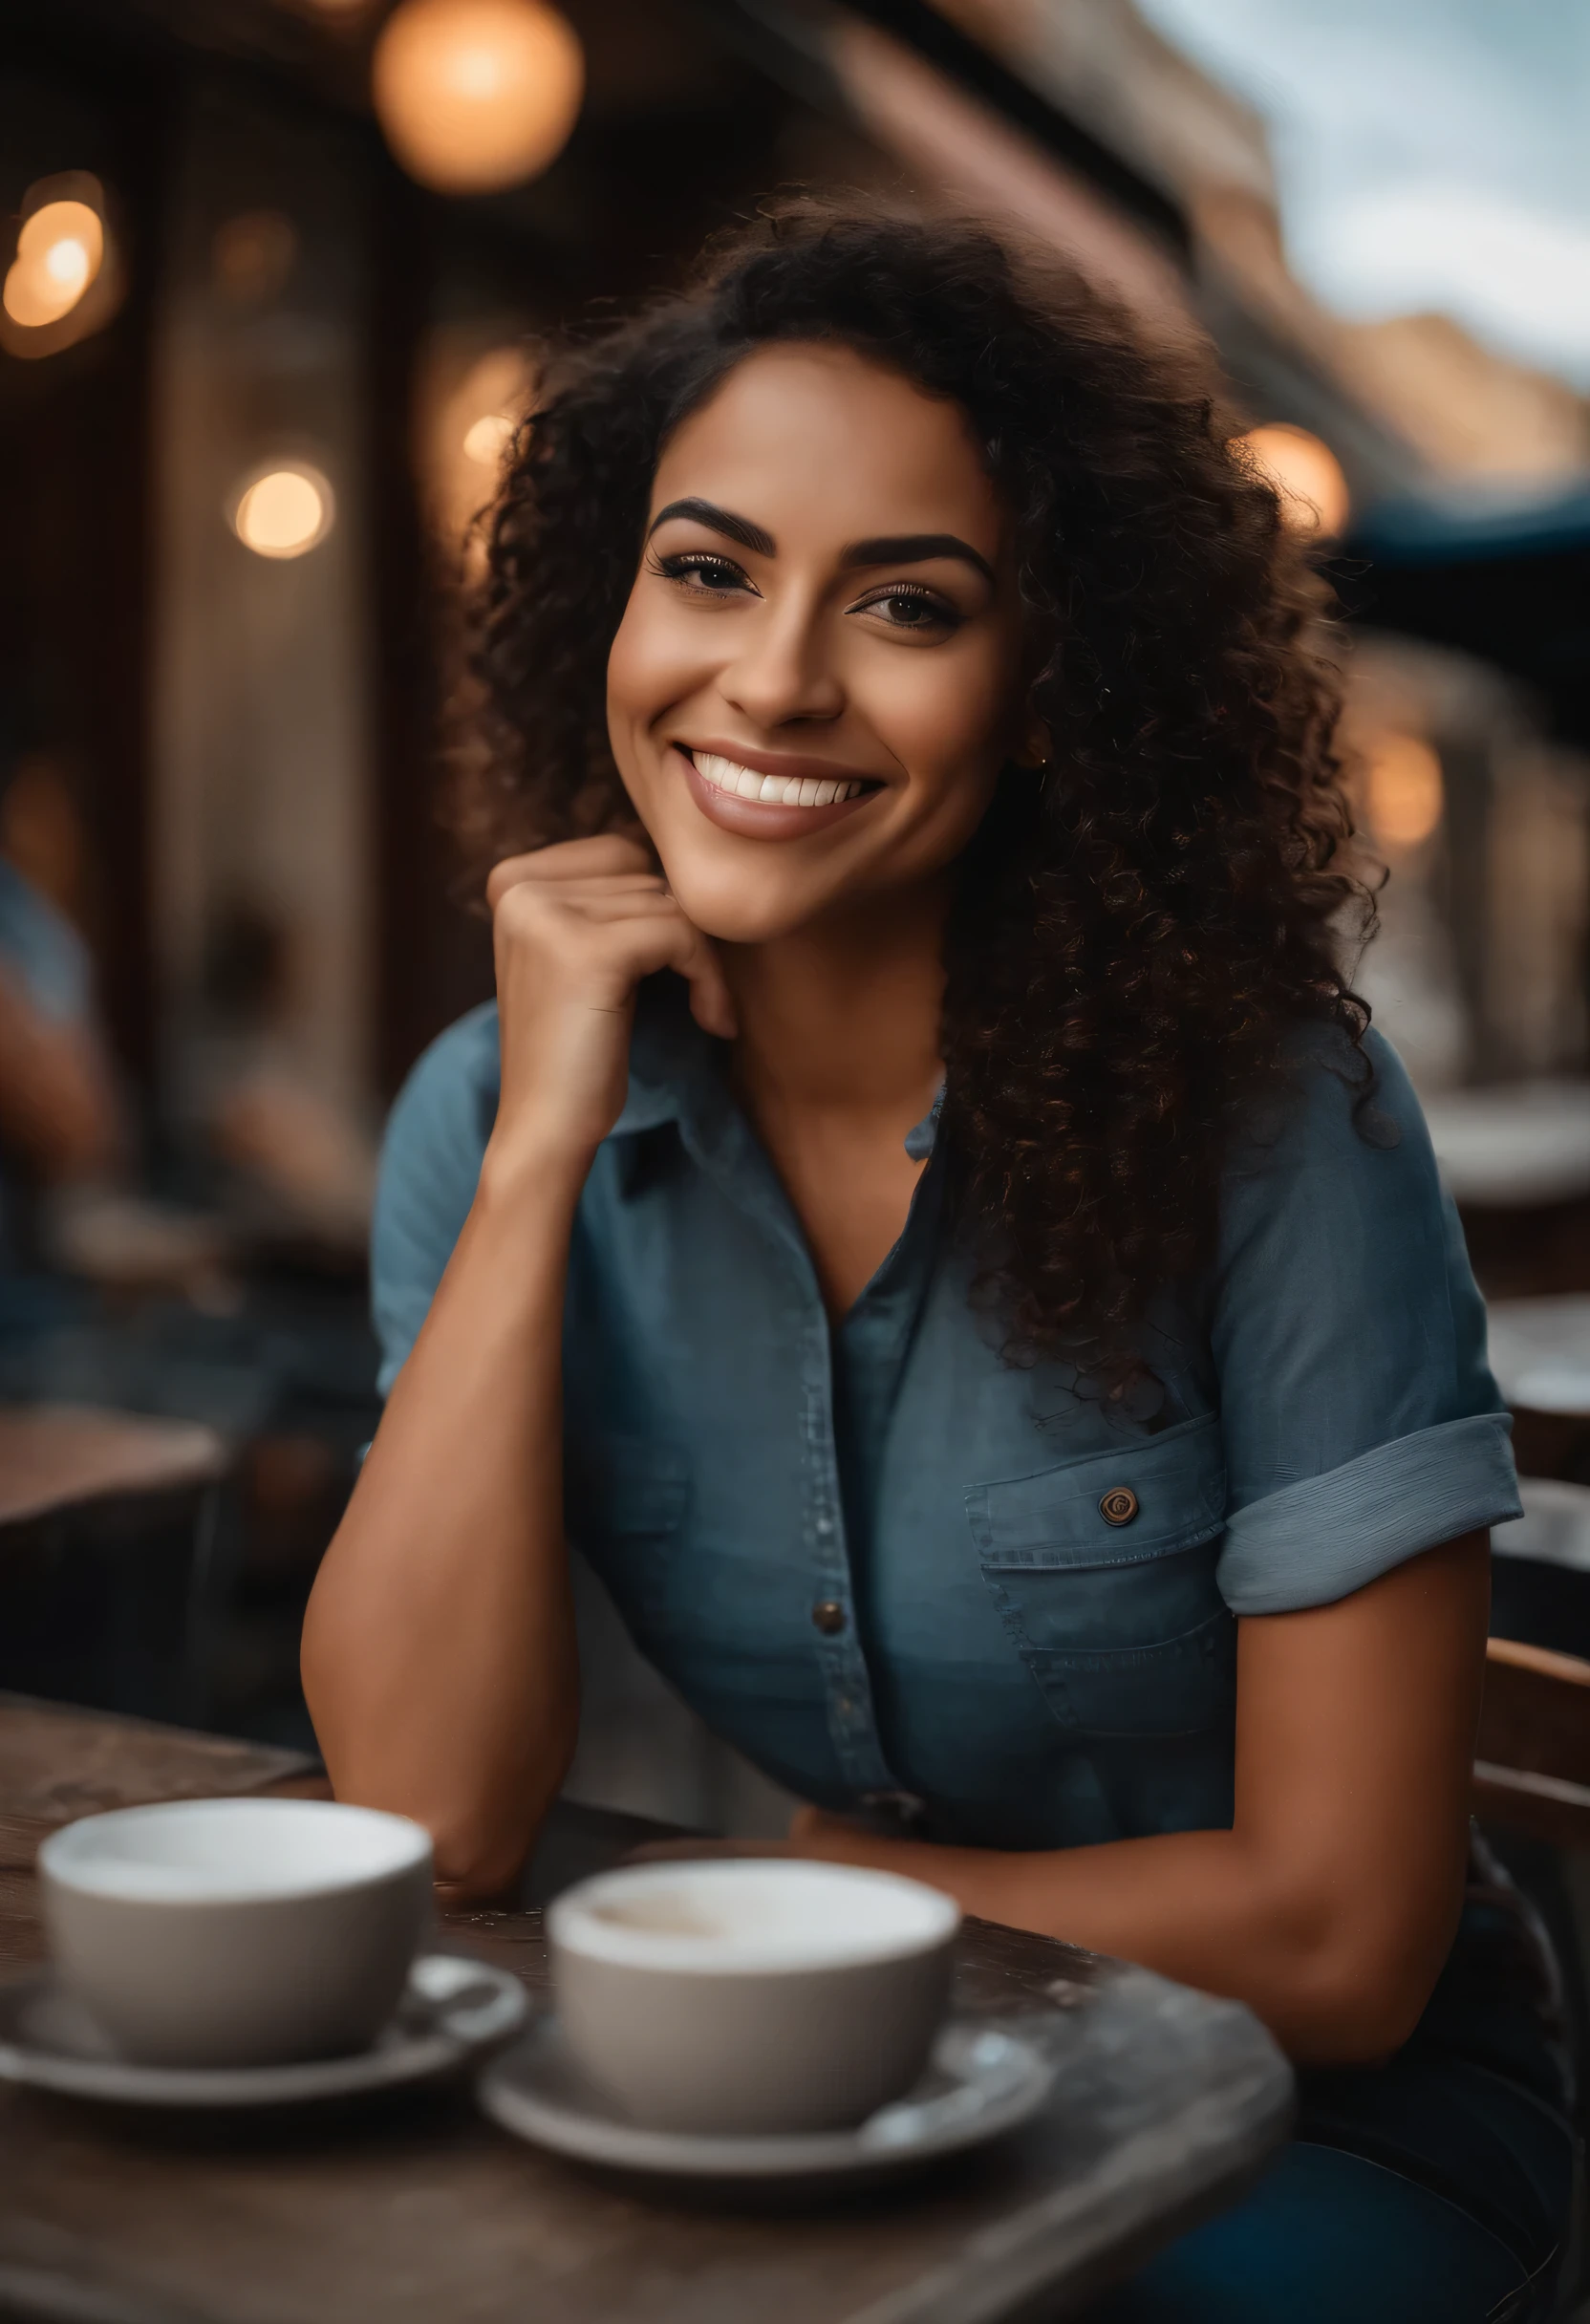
(59, 252)
(477, 95)
(284, 512)
(1306, 474)
(486, 439)
(1404, 797)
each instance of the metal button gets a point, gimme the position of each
(829, 1616)
(1119, 1505)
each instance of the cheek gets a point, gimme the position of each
(655, 661)
(944, 715)
(630, 662)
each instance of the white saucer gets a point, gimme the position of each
(453, 2009)
(981, 2082)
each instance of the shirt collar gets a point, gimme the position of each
(671, 1059)
(676, 1071)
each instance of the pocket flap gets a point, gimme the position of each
(1147, 1497)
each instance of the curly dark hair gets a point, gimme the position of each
(1139, 931)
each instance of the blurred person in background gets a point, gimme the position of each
(990, 1314)
(61, 1122)
(302, 1161)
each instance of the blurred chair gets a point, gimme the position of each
(1540, 1573)
(112, 1558)
(1531, 1769)
(1531, 1793)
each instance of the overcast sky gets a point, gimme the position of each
(1431, 154)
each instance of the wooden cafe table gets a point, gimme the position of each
(416, 2210)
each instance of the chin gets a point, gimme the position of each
(744, 907)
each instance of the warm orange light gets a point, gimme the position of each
(1404, 794)
(487, 438)
(1306, 474)
(477, 95)
(59, 252)
(285, 512)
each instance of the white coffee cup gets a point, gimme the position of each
(237, 1932)
(751, 1995)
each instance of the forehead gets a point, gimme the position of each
(818, 440)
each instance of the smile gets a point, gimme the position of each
(772, 790)
(769, 802)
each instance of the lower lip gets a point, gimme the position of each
(762, 818)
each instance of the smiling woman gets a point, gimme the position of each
(989, 1314)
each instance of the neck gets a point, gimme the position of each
(843, 1014)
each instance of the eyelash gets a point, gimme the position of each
(684, 563)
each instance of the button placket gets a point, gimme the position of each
(718, 1139)
(846, 1682)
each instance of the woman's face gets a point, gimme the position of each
(816, 680)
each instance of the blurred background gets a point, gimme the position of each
(270, 272)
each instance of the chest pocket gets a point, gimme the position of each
(1102, 1571)
(624, 1501)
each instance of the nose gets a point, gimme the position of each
(783, 669)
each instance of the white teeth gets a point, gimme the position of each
(771, 791)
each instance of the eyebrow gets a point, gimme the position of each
(915, 548)
(717, 520)
(891, 549)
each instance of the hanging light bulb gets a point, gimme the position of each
(1405, 796)
(59, 252)
(283, 511)
(1306, 475)
(477, 95)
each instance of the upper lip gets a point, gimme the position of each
(792, 764)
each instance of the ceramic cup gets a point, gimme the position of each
(749, 1994)
(237, 1932)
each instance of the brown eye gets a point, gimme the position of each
(698, 569)
(922, 609)
(912, 612)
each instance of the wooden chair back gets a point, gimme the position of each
(1531, 1769)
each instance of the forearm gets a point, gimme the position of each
(439, 1663)
(55, 1102)
(1211, 1909)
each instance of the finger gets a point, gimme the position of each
(609, 853)
(632, 887)
(608, 908)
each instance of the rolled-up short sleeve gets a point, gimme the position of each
(430, 1168)
(1360, 1418)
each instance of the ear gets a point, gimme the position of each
(1036, 748)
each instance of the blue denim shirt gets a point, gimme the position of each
(885, 1562)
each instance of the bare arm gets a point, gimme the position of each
(439, 1654)
(56, 1103)
(1331, 1904)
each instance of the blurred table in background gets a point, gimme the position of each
(416, 2210)
(56, 1457)
(1516, 1157)
(111, 1572)
(1540, 1580)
